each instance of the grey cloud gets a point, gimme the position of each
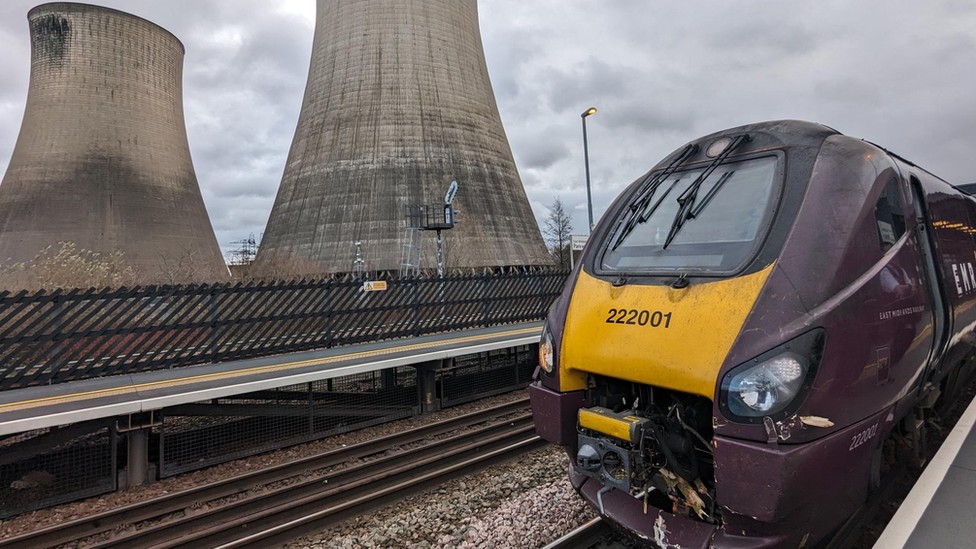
(570, 87)
(649, 113)
(761, 33)
(540, 152)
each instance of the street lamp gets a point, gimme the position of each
(586, 158)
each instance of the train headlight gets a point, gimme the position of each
(774, 384)
(766, 388)
(547, 355)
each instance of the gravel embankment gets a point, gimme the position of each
(525, 503)
(80, 509)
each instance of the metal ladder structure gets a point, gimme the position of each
(422, 218)
(412, 253)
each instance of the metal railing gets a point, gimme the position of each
(198, 435)
(67, 335)
(53, 466)
(474, 377)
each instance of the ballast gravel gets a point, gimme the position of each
(521, 504)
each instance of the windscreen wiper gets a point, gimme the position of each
(641, 209)
(686, 201)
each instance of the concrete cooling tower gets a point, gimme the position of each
(102, 159)
(398, 104)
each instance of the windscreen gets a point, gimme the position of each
(722, 235)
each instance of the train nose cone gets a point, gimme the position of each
(588, 459)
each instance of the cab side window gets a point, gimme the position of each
(889, 213)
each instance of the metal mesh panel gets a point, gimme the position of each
(67, 335)
(203, 434)
(52, 466)
(527, 358)
(487, 374)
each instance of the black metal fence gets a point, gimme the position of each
(67, 335)
(52, 466)
(474, 377)
(199, 435)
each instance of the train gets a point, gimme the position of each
(754, 326)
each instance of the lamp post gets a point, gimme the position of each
(586, 158)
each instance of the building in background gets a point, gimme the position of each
(102, 159)
(398, 104)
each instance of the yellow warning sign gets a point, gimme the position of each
(378, 286)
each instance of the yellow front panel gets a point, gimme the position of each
(684, 354)
(599, 420)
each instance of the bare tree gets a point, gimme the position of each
(285, 267)
(457, 255)
(559, 227)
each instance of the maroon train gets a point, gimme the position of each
(748, 325)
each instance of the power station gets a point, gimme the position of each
(398, 105)
(102, 159)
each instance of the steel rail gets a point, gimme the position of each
(597, 530)
(306, 522)
(178, 501)
(221, 522)
(584, 537)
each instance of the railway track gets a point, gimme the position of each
(299, 498)
(597, 534)
(592, 535)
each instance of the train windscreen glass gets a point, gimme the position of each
(722, 235)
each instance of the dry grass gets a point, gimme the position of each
(286, 268)
(68, 266)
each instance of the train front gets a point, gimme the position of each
(675, 373)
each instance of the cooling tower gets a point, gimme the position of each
(102, 158)
(398, 104)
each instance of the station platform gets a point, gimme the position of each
(939, 510)
(33, 408)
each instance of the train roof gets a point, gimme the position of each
(793, 132)
(805, 133)
(769, 134)
(912, 164)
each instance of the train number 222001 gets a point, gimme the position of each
(655, 319)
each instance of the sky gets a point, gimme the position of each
(898, 73)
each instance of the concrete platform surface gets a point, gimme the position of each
(48, 406)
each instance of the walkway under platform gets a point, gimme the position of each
(49, 406)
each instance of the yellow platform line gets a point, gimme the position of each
(89, 395)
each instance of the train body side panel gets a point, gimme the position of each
(835, 273)
(953, 222)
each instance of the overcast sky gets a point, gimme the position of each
(899, 73)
